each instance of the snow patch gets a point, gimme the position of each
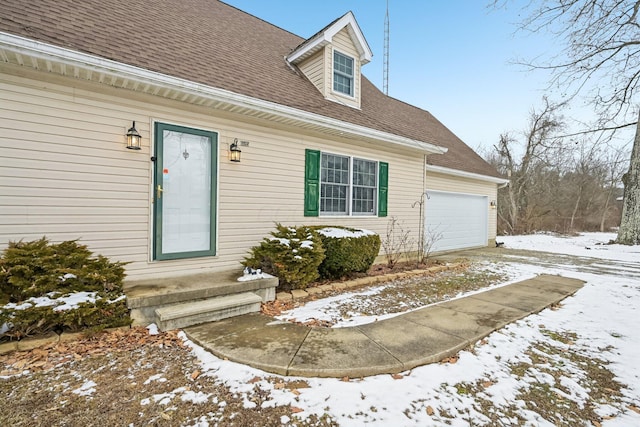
(153, 329)
(66, 302)
(195, 397)
(281, 240)
(251, 274)
(306, 244)
(86, 389)
(67, 276)
(341, 233)
(157, 377)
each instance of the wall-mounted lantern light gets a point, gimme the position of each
(234, 151)
(133, 138)
(493, 204)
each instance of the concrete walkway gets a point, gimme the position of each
(389, 346)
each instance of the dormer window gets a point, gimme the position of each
(342, 73)
(332, 60)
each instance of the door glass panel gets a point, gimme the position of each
(186, 192)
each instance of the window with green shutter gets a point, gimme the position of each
(383, 179)
(312, 183)
(343, 185)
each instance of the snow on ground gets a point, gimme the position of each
(593, 245)
(602, 315)
(86, 389)
(328, 309)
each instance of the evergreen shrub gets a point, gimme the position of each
(37, 271)
(292, 254)
(347, 251)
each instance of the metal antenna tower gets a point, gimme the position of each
(385, 71)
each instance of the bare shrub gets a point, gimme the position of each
(396, 241)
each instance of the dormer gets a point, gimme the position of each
(332, 60)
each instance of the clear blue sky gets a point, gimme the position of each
(452, 58)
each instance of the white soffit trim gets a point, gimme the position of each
(463, 174)
(324, 37)
(25, 49)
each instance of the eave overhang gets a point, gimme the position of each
(464, 174)
(66, 62)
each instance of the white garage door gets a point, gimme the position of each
(456, 220)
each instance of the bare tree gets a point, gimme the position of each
(600, 43)
(520, 161)
(584, 175)
(557, 183)
(629, 233)
(614, 164)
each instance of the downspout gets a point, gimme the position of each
(424, 174)
(421, 230)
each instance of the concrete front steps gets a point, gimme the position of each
(178, 302)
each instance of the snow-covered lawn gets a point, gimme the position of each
(575, 364)
(498, 381)
(593, 245)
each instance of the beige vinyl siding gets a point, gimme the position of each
(313, 68)
(65, 172)
(443, 182)
(342, 43)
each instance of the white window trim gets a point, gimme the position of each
(333, 71)
(375, 190)
(350, 212)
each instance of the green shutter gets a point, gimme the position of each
(383, 186)
(312, 183)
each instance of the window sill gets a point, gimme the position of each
(325, 215)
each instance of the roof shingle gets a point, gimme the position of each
(212, 43)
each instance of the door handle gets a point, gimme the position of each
(159, 191)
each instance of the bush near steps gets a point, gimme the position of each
(292, 254)
(63, 286)
(347, 251)
(300, 255)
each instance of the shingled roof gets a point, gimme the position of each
(214, 44)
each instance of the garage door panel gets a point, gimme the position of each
(457, 220)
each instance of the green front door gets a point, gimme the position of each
(184, 192)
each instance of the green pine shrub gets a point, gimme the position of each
(32, 321)
(96, 315)
(99, 315)
(31, 271)
(347, 251)
(292, 254)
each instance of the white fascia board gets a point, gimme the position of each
(349, 21)
(319, 42)
(321, 39)
(463, 174)
(45, 51)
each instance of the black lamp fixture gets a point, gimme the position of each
(234, 151)
(133, 138)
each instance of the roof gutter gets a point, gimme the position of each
(462, 174)
(47, 52)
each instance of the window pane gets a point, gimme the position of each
(334, 186)
(343, 63)
(342, 73)
(364, 187)
(342, 84)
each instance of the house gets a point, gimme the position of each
(201, 83)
